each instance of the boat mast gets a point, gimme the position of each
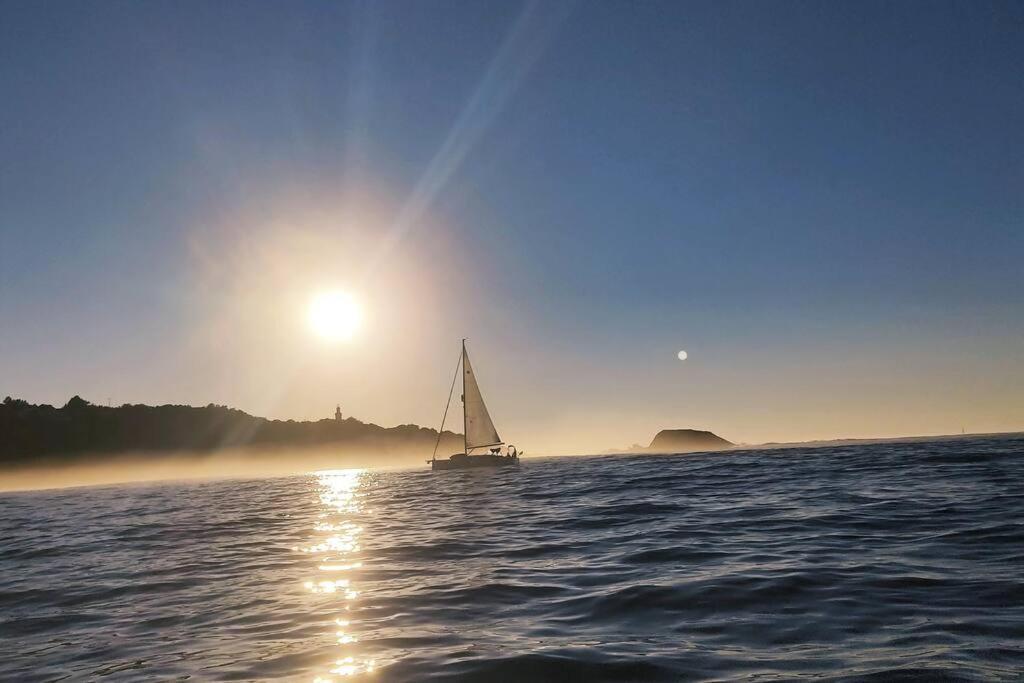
(464, 430)
(447, 405)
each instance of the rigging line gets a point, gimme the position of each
(446, 406)
(465, 416)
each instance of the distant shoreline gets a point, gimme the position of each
(871, 439)
(816, 443)
(81, 444)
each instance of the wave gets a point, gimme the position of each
(864, 562)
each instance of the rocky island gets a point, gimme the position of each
(680, 441)
(687, 440)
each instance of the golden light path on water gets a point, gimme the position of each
(336, 551)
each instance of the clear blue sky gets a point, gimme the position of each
(822, 202)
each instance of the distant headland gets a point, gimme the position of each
(80, 431)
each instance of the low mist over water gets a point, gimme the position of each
(832, 562)
(100, 469)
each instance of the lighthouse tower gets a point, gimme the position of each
(337, 413)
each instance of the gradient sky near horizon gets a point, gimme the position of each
(822, 203)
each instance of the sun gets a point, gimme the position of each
(334, 315)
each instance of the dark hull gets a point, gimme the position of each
(472, 462)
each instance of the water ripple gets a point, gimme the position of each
(880, 562)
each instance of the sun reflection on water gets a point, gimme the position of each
(336, 549)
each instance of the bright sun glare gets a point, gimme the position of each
(334, 315)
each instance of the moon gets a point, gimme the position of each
(682, 355)
(334, 315)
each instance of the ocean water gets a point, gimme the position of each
(870, 562)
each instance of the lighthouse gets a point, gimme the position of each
(337, 413)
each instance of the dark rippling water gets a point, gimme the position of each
(861, 562)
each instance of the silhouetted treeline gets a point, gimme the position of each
(29, 432)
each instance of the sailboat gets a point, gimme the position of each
(477, 428)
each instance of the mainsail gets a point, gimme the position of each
(480, 430)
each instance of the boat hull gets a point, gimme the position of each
(472, 462)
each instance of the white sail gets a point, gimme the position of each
(480, 430)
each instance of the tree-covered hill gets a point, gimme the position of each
(31, 432)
